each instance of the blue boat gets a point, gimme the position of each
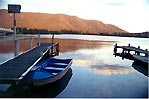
(49, 70)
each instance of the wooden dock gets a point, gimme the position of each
(17, 68)
(141, 58)
(131, 48)
(139, 54)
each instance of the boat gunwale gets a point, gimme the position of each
(51, 78)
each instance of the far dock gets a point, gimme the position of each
(138, 55)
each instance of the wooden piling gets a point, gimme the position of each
(30, 42)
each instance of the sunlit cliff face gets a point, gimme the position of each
(111, 69)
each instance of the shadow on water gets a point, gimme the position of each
(142, 68)
(47, 91)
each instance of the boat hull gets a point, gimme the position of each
(49, 71)
(41, 82)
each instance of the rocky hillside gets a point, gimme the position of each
(55, 22)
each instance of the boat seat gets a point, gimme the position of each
(57, 65)
(54, 70)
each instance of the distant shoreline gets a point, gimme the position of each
(42, 31)
(119, 34)
(136, 35)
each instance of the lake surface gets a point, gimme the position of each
(95, 71)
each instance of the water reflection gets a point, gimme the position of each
(73, 44)
(6, 46)
(110, 69)
(65, 44)
(79, 62)
(87, 57)
(5, 56)
(96, 72)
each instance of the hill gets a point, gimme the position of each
(55, 22)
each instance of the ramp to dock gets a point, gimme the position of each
(18, 67)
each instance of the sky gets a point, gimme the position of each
(130, 15)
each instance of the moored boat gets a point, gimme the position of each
(49, 70)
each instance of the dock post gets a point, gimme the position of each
(138, 53)
(30, 42)
(146, 53)
(38, 39)
(129, 50)
(16, 41)
(16, 44)
(57, 49)
(123, 54)
(14, 27)
(115, 49)
(52, 44)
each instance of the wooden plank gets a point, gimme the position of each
(17, 67)
(131, 48)
(141, 58)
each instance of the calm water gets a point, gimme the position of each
(95, 72)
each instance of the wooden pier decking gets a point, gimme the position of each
(131, 48)
(142, 58)
(138, 56)
(16, 68)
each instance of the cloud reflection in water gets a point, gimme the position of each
(79, 62)
(98, 58)
(88, 57)
(111, 69)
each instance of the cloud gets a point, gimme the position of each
(2, 4)
(116, 4)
